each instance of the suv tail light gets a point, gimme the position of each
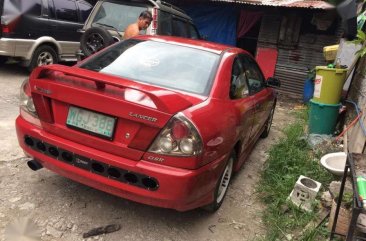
(178, 138)
(154, 24)
(5, 29)
(10, 27)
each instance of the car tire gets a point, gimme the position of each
(222, 185)
(95, 39)
(268, 124)
(43, 55)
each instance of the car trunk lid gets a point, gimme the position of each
(140, 110)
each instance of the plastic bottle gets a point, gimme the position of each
(338, 63)
(361, 188)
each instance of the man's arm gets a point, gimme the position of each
(131, 31)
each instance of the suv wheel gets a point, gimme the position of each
(95, 39)
(43, 55)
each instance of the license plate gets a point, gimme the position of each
(92, 122)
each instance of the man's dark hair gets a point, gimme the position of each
(146, 15)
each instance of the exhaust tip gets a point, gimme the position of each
(34, 165)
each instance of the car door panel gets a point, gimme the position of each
(31, 24)
(246, 111)
(261, 95)
(244, 107)
(64, 20)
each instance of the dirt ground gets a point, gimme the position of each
(63, 210)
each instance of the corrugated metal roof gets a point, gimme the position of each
(314, 4)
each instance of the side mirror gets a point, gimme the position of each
(273, 82)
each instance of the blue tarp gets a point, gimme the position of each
(218, 24)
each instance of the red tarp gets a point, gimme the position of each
(267, 59)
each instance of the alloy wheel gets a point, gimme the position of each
(225, 180)
(95, 42)
(45, 58)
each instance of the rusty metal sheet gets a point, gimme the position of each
(314, 4)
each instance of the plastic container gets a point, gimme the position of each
(361, 188)
(323, 117)
(308, 90)
(328, 85)
(330, 52)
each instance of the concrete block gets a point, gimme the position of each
(304, 192)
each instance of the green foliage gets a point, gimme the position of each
(317, 234)
(289, 159)
(347, 199)
(361, 38)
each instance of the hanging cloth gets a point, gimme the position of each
(247, 20)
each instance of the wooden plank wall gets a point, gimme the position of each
(355, 136)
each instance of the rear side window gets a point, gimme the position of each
(66, 10)
(253, 73)
(117, 15)
(51, 12)
(165, 23)
(33, 7)
(85, 9)
(238, 86)
(193, 33)
(13, 8)
(179, 28)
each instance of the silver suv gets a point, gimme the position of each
(40, 32)
(109, 18)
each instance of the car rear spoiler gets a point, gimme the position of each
(162, 98)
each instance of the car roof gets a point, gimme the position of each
(193, 43)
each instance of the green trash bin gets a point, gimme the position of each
(328, 84)
(322, 117)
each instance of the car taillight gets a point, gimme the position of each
(26, 100)
(178, 138)
(27, 108)
(154, 24)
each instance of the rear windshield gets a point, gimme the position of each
(117, 15)
(162, 64)
(14, 8)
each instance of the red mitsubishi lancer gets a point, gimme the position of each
(162, 121)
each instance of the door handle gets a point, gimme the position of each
(257, 106)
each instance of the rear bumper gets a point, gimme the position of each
(176, 188)
(7, 47)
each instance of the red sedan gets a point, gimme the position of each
(159, 120)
